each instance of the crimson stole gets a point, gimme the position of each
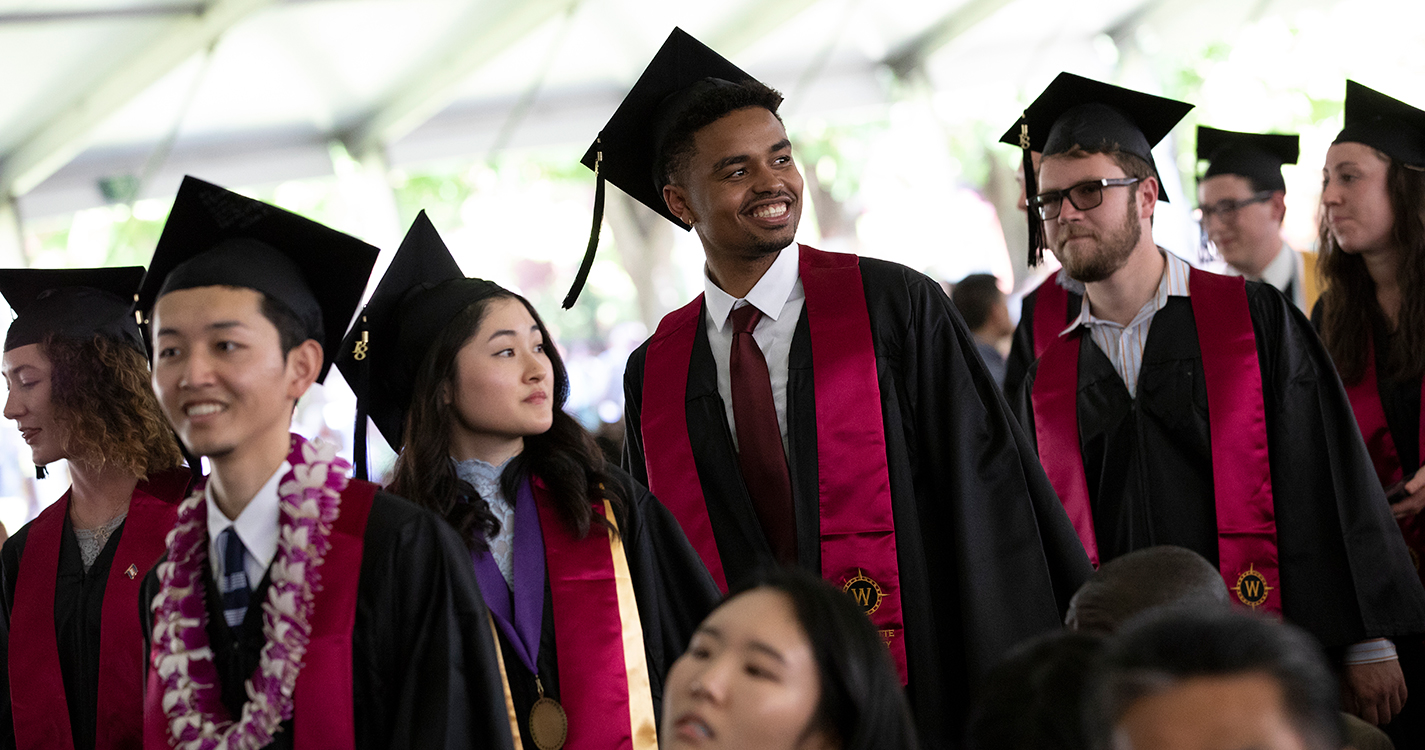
(36, 684)
(323, 711)
(590, 635)
(1241, 471)
(1370, 416)
(857, 528)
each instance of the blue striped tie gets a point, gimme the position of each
(234, 579)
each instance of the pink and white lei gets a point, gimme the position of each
(192, 697)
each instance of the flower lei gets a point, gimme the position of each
(192, 698)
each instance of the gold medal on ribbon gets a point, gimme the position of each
(548, 725)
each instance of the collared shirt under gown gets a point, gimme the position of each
(423, 656)
(1345, 573)
(987, 556)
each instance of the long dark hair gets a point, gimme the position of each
(1349, 311)
(565, 457)
(862, 705)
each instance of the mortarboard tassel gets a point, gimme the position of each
(359, 448)
(1031, 188)
(40, 472)
(588, 263)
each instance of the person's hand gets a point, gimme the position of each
(1375, 692)
(1414, 501)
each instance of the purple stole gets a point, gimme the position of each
(1370, 416)
(598, 638)
(857, 525)
(323, 711)
(1241, 468)
(36, 684)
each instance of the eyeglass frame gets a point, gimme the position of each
(1229, 212)
(1039, 203)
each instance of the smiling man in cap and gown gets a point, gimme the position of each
(1175, 406)
(823, 410)
(295, 607)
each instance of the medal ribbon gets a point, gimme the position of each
(522, 619)
(857, 527)
(1241, 468)
(36, 683)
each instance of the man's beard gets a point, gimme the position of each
(1110, 254)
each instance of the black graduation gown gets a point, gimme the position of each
(78, 607)
(422, 654)
(1345, 573)
(987, 556)
(1021, 346)
(674, 592)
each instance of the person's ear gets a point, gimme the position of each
(677, 199)
(1278, 204)
(304, 363)
(1147, 197)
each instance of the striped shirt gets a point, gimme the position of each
(1124, 344)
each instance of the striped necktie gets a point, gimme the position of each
(234, 578)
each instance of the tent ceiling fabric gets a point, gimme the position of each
(94, 86)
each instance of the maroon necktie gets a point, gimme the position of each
(759, 439)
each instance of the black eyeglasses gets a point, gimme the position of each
(1227, 210)
(1084, 196)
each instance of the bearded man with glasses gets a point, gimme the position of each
(1174, 406)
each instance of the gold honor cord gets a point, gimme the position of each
(505, 683)
(640, 692)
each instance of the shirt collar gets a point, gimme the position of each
(257, 524)
(1280, 272)
(768, 295)
(1174, 283)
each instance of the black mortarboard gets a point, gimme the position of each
(627, 148)
(1257, 156)
(1077, 111)
(1385, 124)
(76, 303)
(215, 237)
(420, 293)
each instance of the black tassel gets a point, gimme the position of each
(588, 263)
(1031, 188)
(359, 467)
(40, 472)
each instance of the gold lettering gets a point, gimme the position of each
(863, 595)
(1253, 587)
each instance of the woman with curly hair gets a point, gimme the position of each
(590, 581)
(79, 390)
(1371, 317)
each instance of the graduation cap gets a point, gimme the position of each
(1077, 111)
(1256, 156)
(76, 303)
(215, 237)
(422, 291)
(626, 151)
(1385, 124)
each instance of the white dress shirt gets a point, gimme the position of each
(1286, 272)
(257, 527)
(779, 297)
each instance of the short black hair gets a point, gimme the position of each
(1131, 584)
(975, 296)
(677, 144)
(291, 331)
(1034, 699)
(1157, 651)
(862, 705)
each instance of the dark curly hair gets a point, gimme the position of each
(705, 109)
(101, 392)
(566, 457)
(1349, 310)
